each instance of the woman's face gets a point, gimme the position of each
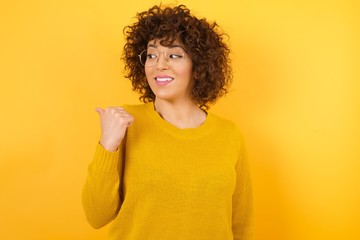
(169, 71)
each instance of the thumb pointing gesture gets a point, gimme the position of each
(114, 122)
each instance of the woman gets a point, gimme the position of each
(166, 168)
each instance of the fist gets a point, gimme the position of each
(114, 122)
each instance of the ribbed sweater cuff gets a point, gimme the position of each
(105, 161)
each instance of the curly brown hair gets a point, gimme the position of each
(203, 42)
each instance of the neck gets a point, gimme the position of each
(185, 114)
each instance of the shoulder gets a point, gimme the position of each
(228, 128)
(223, 123)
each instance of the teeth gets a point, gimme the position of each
(163, 79)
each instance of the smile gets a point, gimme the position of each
(164, 79)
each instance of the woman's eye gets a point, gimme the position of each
(151, 56)
(174, 55)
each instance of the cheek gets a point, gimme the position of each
(148, 73)
(186, 73)
(185, 70)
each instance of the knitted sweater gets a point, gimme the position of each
(169, 183)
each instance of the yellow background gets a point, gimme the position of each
(296, 97)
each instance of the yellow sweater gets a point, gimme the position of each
(171, 183)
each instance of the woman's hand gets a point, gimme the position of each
(114, 122)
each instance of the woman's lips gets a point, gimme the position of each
(162, 81)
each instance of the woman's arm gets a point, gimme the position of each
(101, 195)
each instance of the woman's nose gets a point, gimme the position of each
(162, 62)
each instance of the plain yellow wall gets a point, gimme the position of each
(296, 97)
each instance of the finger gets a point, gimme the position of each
(129, 120)
(115, 110)
(99, 110)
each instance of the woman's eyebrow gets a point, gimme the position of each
(171, 46)
(175, 46)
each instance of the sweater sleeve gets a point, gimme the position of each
(101, 194)
(242, 198)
